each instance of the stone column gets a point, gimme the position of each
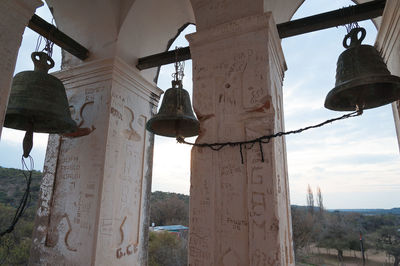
(14, 16)
(239, 211)
(94, 198)
(387, 42)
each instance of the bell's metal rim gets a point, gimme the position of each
(149, 125)
(360, 81)
(68, 126)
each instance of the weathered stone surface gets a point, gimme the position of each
(14, 16)
(239, 213)
(93, 206)
(387, 42)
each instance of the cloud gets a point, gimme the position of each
(354, 159)
(171, 171)
(15, 137)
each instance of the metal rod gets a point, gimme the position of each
(50, 32)
(331, 19)
(163, 58)
(321, 21)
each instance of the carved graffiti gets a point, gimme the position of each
(128, 249)
(106, 227)
(256, 226)
(259, 258)
(80, 118)
(236, 223)
(122, 231)
(129, 133)
(53, 233)
(258, 199)
(115, 113)
(231, 258)
(67, 244)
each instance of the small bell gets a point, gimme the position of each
(176, 117)
(362, 78)
(38, 102)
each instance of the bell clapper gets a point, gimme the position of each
(27, 143)
(359, 110)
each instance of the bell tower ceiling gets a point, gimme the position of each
(131, 29)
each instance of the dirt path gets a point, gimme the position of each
(325, 257)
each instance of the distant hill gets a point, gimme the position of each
(372, 211)
(395, 211)
(13, 185)
(162, 196)
(169, 208)
(166, 207)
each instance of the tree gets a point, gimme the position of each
(310, 199)
(320, 201)
(338, 233)
(167, 249)
(372, 223)
(388, 240)
(15, 246)
(302, 225)
(169, 211)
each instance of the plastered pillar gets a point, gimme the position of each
(388, 43)
(94, 197)
(239, 212)
(14, 16)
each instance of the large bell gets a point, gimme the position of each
(175, 117)
(38, 100)
(362, 78)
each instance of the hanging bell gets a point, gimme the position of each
(362, 78)
(38, 101)
(175, 117)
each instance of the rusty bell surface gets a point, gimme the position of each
(175, 117)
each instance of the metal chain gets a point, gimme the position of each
(248, 144)
(179, 66)
(350, 12)
(48, 48)
(351, 26)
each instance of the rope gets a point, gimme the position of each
(264, 139)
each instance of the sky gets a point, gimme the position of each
(355, 162)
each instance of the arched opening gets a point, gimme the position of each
(298, 118)
(171, 176)
(11, 140)
(171, 171)
(354, 162)
(353, 152)
(15, 246)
